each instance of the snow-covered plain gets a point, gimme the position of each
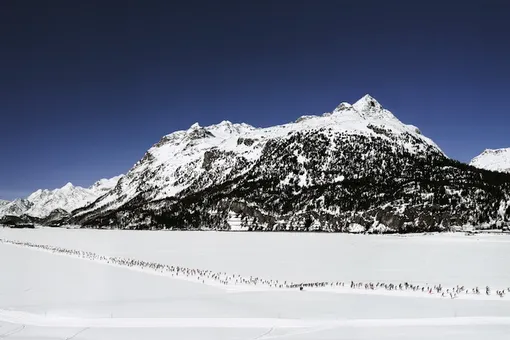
(48, 296)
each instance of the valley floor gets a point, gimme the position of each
(44, 295)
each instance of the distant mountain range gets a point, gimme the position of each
(43, 203)
(355, 169)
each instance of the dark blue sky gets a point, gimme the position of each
(88, 86)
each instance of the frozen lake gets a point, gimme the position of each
(48, 296)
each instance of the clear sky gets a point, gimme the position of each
(88, 86)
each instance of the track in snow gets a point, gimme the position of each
(234, 282)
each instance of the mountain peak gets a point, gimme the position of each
(197, 132)
(493, 159)
(343, 106)
(194, 126)
(68, 185)
(369, 108)
(368, 104)
(225, 122)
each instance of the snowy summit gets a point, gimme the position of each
(494, 160)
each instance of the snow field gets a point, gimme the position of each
(43, 296)
(228, 280)
(449, 259)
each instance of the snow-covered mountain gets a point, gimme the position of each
(68, 198)
(43, 202)
(15, 208)
(357, 167)
(494, 160)
(199, 157)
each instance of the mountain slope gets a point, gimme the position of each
(494, 160)
(356, 168)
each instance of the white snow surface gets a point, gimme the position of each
(104, 185)
(494, 160)
(45, 295)
(172, 164)
(43, 201)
